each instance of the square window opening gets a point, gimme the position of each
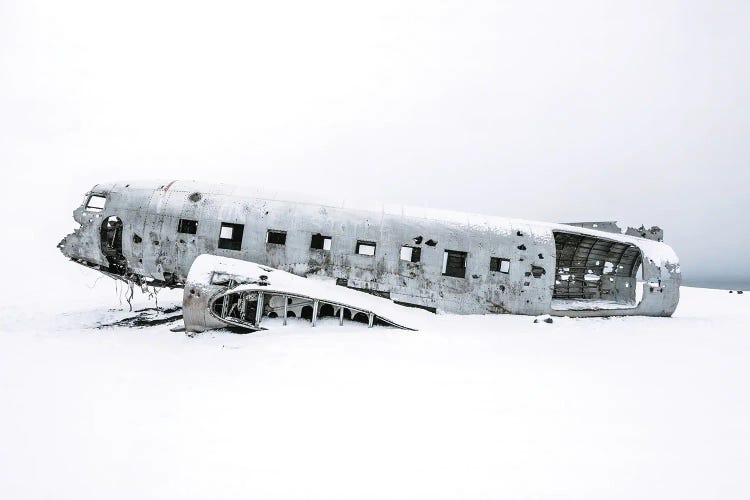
(187, 226)
(96, 203)
(366, 248)
(230, 236)
(499, 265)
(276, 237)
(454, 263)
(410, 254)
(320, 242)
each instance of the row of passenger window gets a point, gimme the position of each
(454, 262)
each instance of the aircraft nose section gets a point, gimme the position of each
(82, 245)
(69, 244)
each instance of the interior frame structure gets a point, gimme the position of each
(594, 268)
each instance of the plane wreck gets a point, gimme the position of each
(243, 255)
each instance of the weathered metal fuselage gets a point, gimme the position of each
(464, 263)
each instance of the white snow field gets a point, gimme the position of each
(469, 407)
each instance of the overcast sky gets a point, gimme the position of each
(558, 111)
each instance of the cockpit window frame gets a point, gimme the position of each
(89, 208)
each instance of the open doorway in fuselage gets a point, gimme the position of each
(111, 245)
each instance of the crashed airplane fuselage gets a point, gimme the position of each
(459, 263)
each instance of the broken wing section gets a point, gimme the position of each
(222, 292)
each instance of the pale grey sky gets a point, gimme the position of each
(560, 111)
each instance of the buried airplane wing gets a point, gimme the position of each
(222, 292)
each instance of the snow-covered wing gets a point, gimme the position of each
(222, 292)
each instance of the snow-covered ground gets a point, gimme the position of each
(468, 407)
